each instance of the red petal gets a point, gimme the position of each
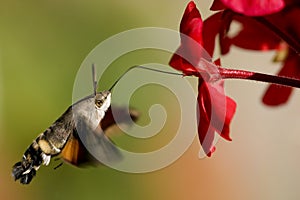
(294, 17)
(288, 22)
(206, 134)
(191, 23)
(224, 39)
(291, 2)
(276, 95)
(230, 110)
(216, 112)
(206, 131)
(177, 62)
(217, 5)
(254, 36)
(211, 28)
(212, 150)
(223, 109)
(190, 51)
(254, 7)
(217, 24)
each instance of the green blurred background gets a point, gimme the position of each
(43, 43)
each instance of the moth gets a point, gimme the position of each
(91, 116)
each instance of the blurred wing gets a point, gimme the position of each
(93, 146)
(109, 124)
(101, 147)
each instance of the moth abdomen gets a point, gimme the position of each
(47, 144)
(19, 173)
(38, 153)
(25, 170)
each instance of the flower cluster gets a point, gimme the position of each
(265, 25)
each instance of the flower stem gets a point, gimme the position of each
(242, 74)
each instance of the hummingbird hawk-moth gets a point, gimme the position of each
(91, 116)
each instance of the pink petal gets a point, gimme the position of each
(254, 7)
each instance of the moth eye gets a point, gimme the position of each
(99, 102)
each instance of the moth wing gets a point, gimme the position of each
(99, 146)
(119, 118)
(75, 152)
(91, 147)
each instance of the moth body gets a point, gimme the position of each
(85, 115)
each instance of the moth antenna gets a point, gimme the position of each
(95, 83)
(142, 67)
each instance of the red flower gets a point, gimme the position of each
(250, 7)
(214, 107)
(259, 36)
(264, 39)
